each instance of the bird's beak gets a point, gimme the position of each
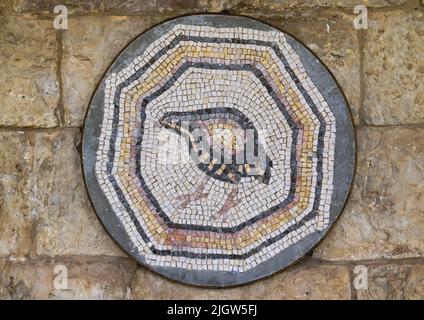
(164, 123)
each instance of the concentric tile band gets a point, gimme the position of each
(210, 222)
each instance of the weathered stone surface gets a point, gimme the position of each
(154, 6)
(394, 68)
(283, 6)
(384, 217)
(88, 51)
(66, 223)
(5, 7)
(334, 40)
(15, 218)
(303, 281)
(115, 6)
(2, 267)
(388, 282)
(29, 89)
(85, 280)
(41, 185)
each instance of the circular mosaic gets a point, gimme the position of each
(217, 150)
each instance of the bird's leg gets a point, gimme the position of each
(231, 202)
(196, 195)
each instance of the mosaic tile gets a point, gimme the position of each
(217, 150)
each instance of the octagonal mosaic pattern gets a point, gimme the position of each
(206, 219)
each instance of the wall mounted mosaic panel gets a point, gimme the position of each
(260, 183)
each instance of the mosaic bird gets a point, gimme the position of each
(217, 140)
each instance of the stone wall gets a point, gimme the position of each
(47, 77)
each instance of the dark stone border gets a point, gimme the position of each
(343, 170)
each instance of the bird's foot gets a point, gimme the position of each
(185, 199)
(231, 202)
